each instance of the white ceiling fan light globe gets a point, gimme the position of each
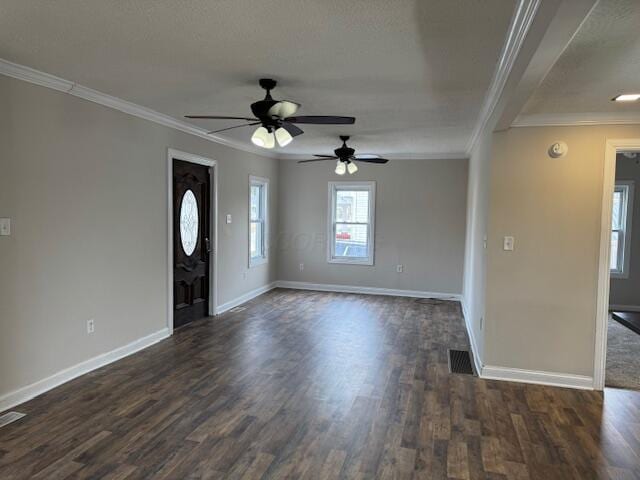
(270, 141)
(283, 109)
(352, 168)
(283, 137)
(340, 168)
(259, 137)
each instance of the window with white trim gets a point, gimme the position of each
(258, 220)
(621, 215)
(351, 229)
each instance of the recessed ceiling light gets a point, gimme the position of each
(627, 97)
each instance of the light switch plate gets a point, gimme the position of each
(228, 218)
(508, 243)
(5, 227)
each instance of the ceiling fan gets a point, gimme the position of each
(276, 119)
(346, 158)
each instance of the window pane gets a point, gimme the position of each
(616, 214)
(615, 239)
(255, 240)
(189, 222)
(256, 193)
(351, 240)
(352, 206)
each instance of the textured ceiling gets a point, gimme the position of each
(413, 72)
(601, 61)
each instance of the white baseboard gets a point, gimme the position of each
(477, 360)
(491, 372)
(624, 308)
(326, 287)
(245, 298)
(23, 394)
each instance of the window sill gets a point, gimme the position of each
(619, 275)
(256, 262)
(346, 261)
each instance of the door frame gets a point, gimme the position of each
(613, 146)
(213, 229)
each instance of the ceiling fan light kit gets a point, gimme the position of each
(346, 158)
(275, 116)
(262, 137)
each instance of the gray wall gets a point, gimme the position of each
(420, 223)
(541, 297)
(626, 291)
(85, 187)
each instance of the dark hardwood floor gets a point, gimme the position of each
(318, 386)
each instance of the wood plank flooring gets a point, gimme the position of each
(309, 385)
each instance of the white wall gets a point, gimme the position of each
(475, 262)
(420, 223)
(85, 188)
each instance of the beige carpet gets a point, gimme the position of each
(623, 357)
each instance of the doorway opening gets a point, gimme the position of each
(618, 323)
(192, 238)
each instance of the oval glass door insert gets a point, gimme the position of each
(189, 222)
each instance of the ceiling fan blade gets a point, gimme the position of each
(370, 160)
(217, 117)
(317, 159)
(361, 156)
(231, 128)
(326, 156)
(284, 109)
(292, 129)
(322, 120)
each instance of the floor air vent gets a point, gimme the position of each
(10, 417)
(460, 362)
(237, 309)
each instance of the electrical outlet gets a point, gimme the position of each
(301, 267)
(90, 325)
(229, 219)
(399, 268)
(244, 275)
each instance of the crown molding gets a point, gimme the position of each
(43, 79)
(576, 119)
(518, 28)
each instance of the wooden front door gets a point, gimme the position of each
(191, 244)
